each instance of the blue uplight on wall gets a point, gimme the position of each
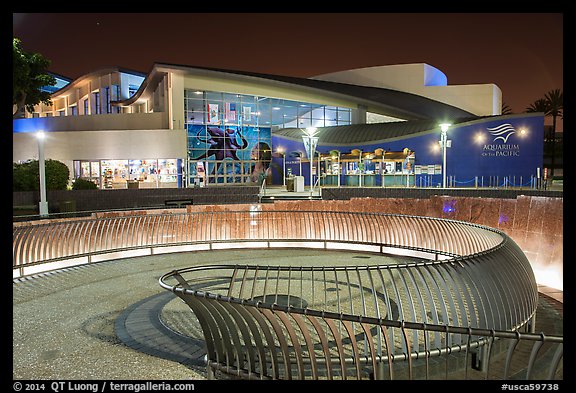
(449, 207)
(31, 124)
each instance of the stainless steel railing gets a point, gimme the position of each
(355, 322)
(56, 240)
(464, 289)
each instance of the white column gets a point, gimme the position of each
(43, 205)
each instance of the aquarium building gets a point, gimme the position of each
(179, 126)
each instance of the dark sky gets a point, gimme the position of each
(522, 53)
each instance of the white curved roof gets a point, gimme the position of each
(427, 81)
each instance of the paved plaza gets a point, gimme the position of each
(112, 320)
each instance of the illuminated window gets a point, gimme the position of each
(107, 98)
(97, 108)
(132, 89)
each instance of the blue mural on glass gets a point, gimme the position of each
(225, 149)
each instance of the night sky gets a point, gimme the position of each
(522, 53)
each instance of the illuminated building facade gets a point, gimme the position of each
(177, 125)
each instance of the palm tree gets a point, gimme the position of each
(551, 105)
(555, 100)
(539, 105)
(506, 110)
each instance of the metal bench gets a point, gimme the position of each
(178, 202)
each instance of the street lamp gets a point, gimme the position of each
(335, 154)
(444, 143)
(310, 142)
(280, 150)
(43, 205)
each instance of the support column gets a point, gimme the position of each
(359, 115)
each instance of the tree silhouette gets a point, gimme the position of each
(506, 110)
(29, 75)
(551, 105)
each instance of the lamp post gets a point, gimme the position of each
(281, 151)
(360, 168)
(444, 142)
(43, 205)
(310, 142)
(338, 173)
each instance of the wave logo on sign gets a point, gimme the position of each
(502, 132)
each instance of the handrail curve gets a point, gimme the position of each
(457, 288)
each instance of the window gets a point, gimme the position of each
(89, 170)
(97, 108)
(107, 98)
(132, 89)
(74, 110)
(194, 111)
(229, 135)
(86, 106)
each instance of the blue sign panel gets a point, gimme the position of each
(503, 146)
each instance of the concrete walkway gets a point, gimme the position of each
(112, 320)
(93, 321)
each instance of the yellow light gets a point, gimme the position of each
(480, 137)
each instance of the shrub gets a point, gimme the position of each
(84, 184)
(26, 176)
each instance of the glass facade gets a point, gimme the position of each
(147, 173)
(229, 135)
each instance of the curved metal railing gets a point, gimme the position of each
(285, 322)
(93, 239)
(463, 289)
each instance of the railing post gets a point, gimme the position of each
(379, 372)
(210, 372)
